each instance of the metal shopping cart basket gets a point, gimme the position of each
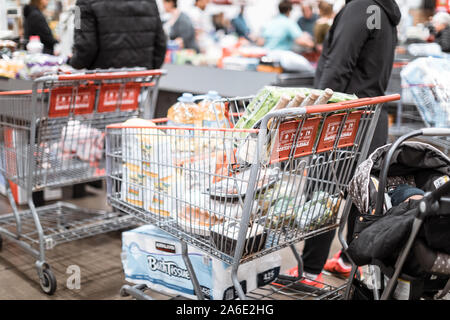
(241, 194)
(426, 99)
(53, 136)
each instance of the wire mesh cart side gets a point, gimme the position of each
(53, 136)
(241, 194)
(425, 87)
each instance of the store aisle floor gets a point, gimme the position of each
(98, 259)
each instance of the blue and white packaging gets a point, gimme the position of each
(152, 257)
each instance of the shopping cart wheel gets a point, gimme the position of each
(48, 282)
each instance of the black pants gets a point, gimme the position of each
(316, 250)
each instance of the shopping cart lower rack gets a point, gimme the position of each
(238, 194)
(53, 136)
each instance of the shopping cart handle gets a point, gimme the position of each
(104, 75)
(352, 104)
(436, 132)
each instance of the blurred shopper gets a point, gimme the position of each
(221, 24)
(324, 23)
(240, 25)
(441, 26)
(118, 34)
(202, 22)
(180, 27)
(35, 24)
(282, 33)
(308, 20)
(357, 58)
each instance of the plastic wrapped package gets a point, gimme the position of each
(148, 173)
(428, 80)
(152, 257)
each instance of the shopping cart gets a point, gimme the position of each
(425, 99)
(239, 194)
(53, 136)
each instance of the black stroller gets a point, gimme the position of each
(405, 247)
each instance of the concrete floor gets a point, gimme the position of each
(97, 257)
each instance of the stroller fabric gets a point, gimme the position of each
(414, 163)
(380, 238)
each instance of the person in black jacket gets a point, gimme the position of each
(357, 58)
(118, 34)
(35, 24)
(441, 25)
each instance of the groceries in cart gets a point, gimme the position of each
(147, 170)
(269, 98)
(415, 169)
(428, 81)
(238, 186)
(84, 141)
(152, 257)
(305, 214)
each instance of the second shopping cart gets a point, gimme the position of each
(53, 136)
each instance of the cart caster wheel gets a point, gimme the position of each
(124, 291)
(48, 282)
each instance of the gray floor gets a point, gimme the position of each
(98, 259)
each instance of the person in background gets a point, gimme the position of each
(35, 24)
(221, 23)
(240, 25)
(282, 33)
(324, 23)
(119, 34)
(308, 20)
(441, 26)
(357, 60)
(202, 22)
(180, 27)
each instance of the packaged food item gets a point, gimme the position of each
(153, 257)
(317, 211)
(237, 185)
(160, 196)
(35, 45)
(310, 99)
(324, 97)
(197, 220)
(225, 237)
(268, 97)
(282, 103)
(297, 101)
(212, 112)
(277, 201)
(185, 112)
(148, 173)
(132, 188)
(86, 142)
(264, 102)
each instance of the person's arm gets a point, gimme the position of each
(85, 46)
(301, 38)
(349, 37)
(305, 40)
(160, 46)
